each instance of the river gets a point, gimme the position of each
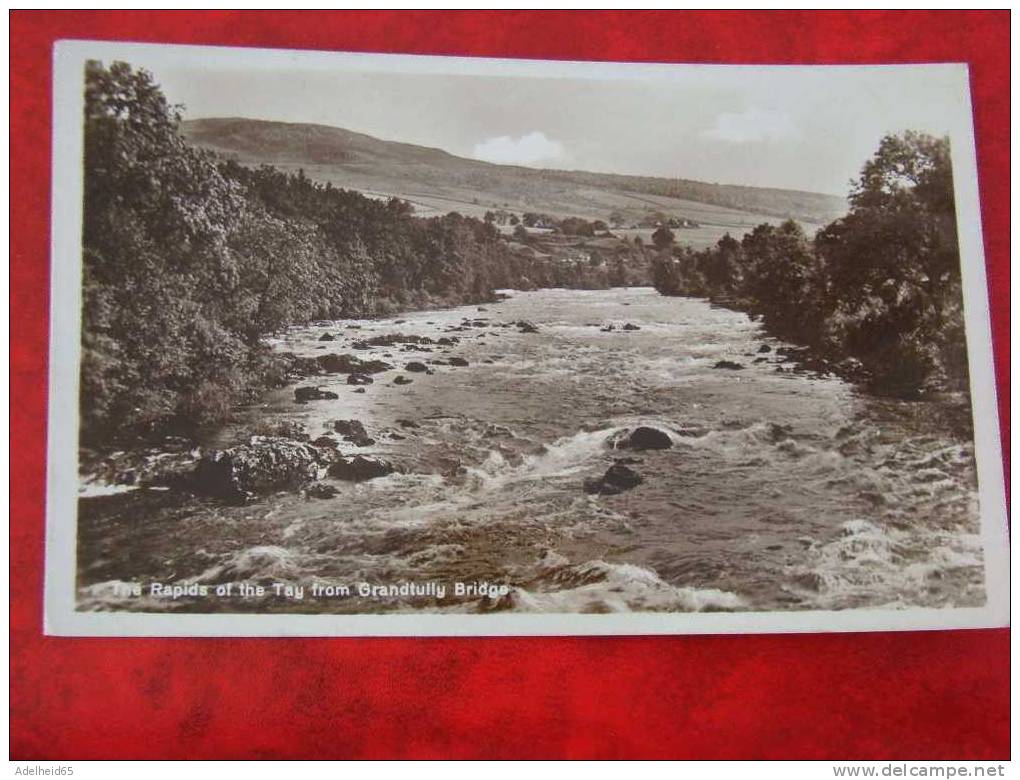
(783, 490)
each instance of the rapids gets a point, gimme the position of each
(783, 490)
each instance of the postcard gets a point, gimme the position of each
(350, 344)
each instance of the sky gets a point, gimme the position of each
(808, 128)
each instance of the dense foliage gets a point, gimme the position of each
(881, 284)
(189, 261)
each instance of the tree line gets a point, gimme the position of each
(189, 261)
(881, 285)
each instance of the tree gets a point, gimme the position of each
(784, 279)
(721, 265)
(895, 268)
(159, 275)
(576, 226)
(663, 237)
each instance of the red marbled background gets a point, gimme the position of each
(921, 695)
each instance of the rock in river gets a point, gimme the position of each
(305, 394)
(360, 467)
(643, 438)
(264, 466)
(327, 337)
(354, 432)
(336, 364)
(415, 367)
(616, 479)
(400, 379)
(458, 361)
(359, 379)
(728, 364)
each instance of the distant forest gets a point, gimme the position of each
(880, 286)
(809, 206)
(190, 260)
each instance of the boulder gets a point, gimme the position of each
(415, 367)
(458, 361)
(729, 365)
(327, 337)
(400, 379)
(359, 379)
(265, 465)
(359, 468)
(643, 438)
(326, 441)
(354, 432)
(631, 326)
(350, 364)
(617, 478)
(764, 348)
(391, 339)
(305, 394)
(527, 327)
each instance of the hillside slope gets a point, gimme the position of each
(436, 182)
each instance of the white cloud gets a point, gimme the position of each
(753, 125)
(529, 149)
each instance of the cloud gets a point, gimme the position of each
(753, 125)
(529, 149)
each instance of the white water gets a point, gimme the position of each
(781, 491)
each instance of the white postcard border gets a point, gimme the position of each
(61, 617)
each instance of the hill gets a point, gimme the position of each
(437, 182)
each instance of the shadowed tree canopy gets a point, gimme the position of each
(881, 284)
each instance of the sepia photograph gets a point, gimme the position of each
(350, 344)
